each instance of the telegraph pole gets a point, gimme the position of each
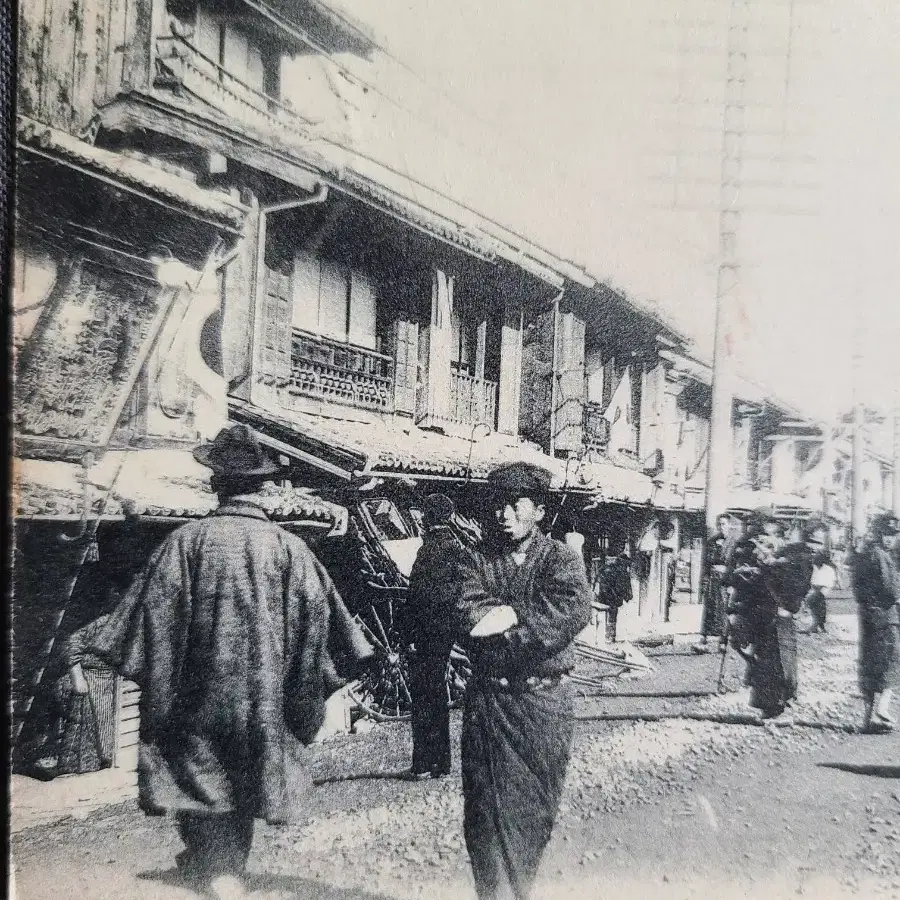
(895, 482)
(857, 501)
(718, 469)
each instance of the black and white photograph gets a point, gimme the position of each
(454, 449)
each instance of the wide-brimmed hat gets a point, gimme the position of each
(514, 480)
(236, 453)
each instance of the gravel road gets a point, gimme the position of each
(666, 809)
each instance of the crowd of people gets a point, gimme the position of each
(761, 583)
(237, 636)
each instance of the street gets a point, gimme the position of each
(674, 808)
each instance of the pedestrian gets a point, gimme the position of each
(615, 591)
(780, 584)
(875, 572)
(226, 631)
(823, 580)
(434, 586)
(518, 723)
(716, 562)
(87, 698)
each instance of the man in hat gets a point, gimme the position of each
(876, 584)
(523, 602)
(434, 585)
(226, 631)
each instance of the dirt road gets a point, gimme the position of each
(667, 809)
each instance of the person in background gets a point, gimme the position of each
(87, 695)
(614, 590)
(875, 570)
(824, 578)
(434, 585)
(522, 604)
(227, 631)
(716, 563)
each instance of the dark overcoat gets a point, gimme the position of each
(226, 632)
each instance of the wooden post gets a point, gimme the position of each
(728, 281)
(895, 476)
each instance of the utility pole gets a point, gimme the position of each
(857, 500)
(895, 479)
(718, 469)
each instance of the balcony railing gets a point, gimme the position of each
(472, 400)
(340, 373)
(182, 66)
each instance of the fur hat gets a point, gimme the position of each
(514, 480)
(236, 454)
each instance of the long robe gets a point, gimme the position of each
(780, 584)
(226, 632)
(876, 584)
(434, 585)
(517, 736)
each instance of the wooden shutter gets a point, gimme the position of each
(362, 311)
(207, 39)
(276, 355)
(570, 382)
(439, 337)
(537, 368)
(406, 365)
(333, 301)
(510, 387)
(305, 286)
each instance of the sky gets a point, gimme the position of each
(595, 128)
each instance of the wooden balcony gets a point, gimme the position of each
(472, 400)
(339, 372)
(183, 68)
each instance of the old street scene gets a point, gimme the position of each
(456, 450)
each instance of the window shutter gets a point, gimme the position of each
(306, 292)
(570, 382)
(333, 301)
(406, 359)
(362, 311)
(537, 367)
(276, 355)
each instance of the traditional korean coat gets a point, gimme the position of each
(227, 633)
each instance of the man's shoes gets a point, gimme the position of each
(877, 726)
(700, 648)
(416, 776)
(227, 887)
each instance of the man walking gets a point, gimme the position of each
(615, 591)
(227, 633)
(434, 584)
(523, 603)
(876, 585)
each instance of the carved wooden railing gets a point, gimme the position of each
(340, 373)
(182, 66)
(472, 400)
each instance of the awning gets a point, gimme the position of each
(355, 449)
(127, 171)
(154, 482)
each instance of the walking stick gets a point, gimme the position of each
(725, 641)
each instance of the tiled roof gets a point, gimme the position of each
(392, 449)
(167, 483)
(140, 174)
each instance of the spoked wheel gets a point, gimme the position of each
(459, 670)
(383, 691)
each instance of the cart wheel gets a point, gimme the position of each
(459, 670)
(383, 691)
